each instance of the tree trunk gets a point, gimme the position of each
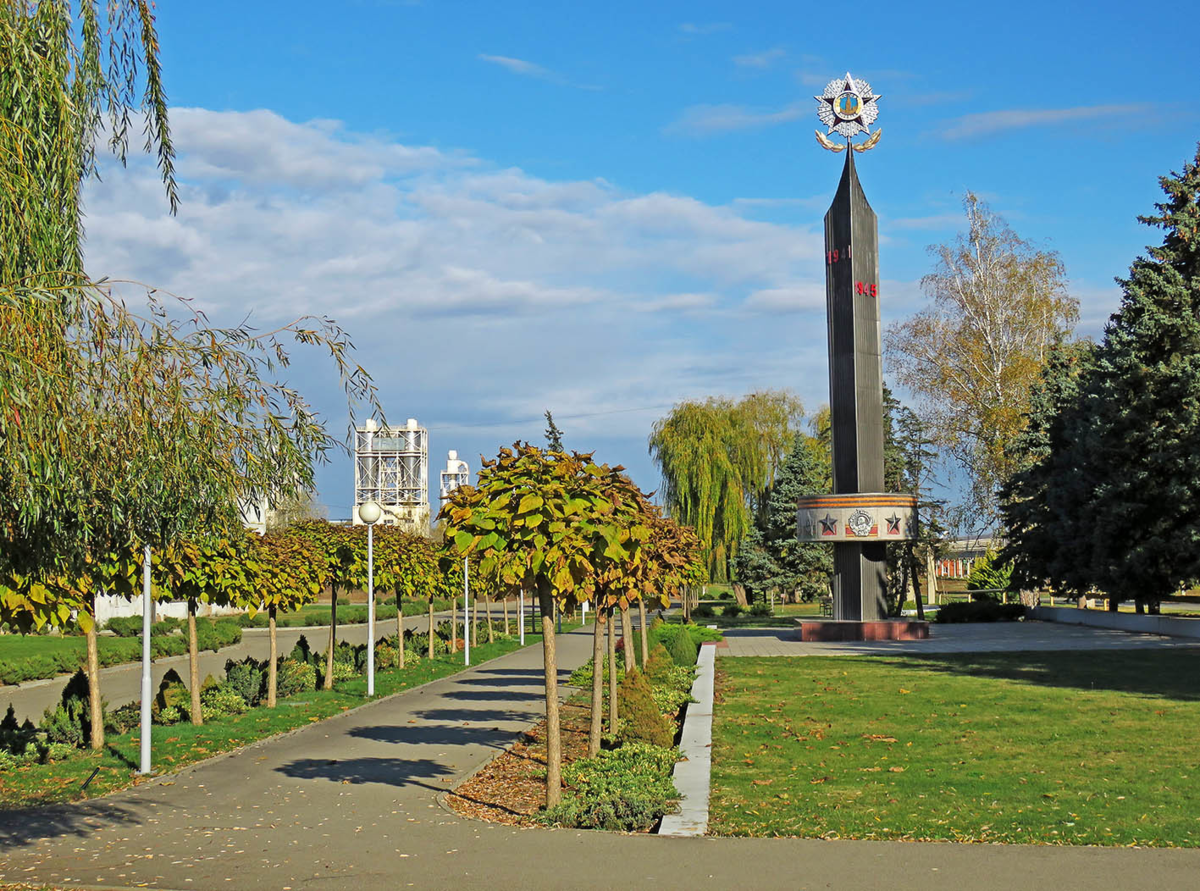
(273, 666)
(487, 612)
(1154, 607)
(194, 663)
(739, 595)
(627, 636)
(332, 641)
(454, 623)
(1114, 605)
(431, 632)
(597, 683)
(399, 632)
(912, 559)
(95, 704)
(1139, 606)
(506, 631)
(612, 673)
(904, 571)
(645, 631)
(475, 621)
(550, 666)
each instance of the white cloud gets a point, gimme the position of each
(475, 294)
(763, 59)
(987, 122)
(695, 29)
(704, 120)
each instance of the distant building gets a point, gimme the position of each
(391, 467)
(456, 474)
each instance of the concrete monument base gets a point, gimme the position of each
(836, 629)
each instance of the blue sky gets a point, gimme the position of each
(603, 209)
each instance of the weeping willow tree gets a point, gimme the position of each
(119, 427)
(718, 459)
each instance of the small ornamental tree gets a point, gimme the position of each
(342, 550)
(406, 565)
(544, 521)
(211, 571)
(284, 571)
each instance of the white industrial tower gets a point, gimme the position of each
(391, 467)
(456, 474)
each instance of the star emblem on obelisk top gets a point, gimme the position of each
(848, 106)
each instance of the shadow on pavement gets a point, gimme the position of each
(477, 716)
(456, 734)
(1169, 673)
(388, 771)
(21, 828)
(490, 695)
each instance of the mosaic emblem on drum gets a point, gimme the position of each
(861, 524)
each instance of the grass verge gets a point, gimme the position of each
(1073, 748)
(179, 745)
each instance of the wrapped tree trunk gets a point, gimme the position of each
(627, 635)
(273, 665)
(431, 629)
(95, 704)
(506, 631)
(597, 683)
(916, 580)
(332, 640)
(194, 663)
(645, 631)
(550, 670)
(453, 623)
(612, 673)
(487, 612)
(399, 632)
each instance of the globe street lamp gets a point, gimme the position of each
(370, 513)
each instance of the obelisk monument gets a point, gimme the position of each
(858, 518)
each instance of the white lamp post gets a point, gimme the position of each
(147, 687)
(370, 513)
(466, 613)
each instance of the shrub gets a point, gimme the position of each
(386, 656)
(641, 721)
(124, 718)
(302, 652)
(660, 663)
(732, 611)
(726, 595)
(760, 610)
(295, 677)
(70, 721)
(980, 611)
(343, 671)
(220, 700)
(248, 678)
(213, 636)
(703, 611)
(14, 735)
(343, 601)
(624, 789)
(172, 699)
(989, 573)
(683, 649)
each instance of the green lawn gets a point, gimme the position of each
(1046, 748)
(178, 745)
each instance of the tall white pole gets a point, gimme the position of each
(522, 623)
(147, 611)
(371, 610)
(466, 611)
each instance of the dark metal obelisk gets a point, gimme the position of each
(855, 388)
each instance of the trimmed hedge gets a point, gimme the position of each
(979, 611)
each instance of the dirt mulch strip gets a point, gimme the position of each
(512, 788)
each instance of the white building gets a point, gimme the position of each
(391, 468)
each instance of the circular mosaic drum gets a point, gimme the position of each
(858, 517)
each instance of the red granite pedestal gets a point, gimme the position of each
(836, 629)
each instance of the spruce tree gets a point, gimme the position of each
(554, 441)
(1049, 483)
(1136, 432)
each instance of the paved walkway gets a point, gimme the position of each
(123, 683)
(965, 638)
(352, 803)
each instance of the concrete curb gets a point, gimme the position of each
(692, 775)
(1168, 626)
